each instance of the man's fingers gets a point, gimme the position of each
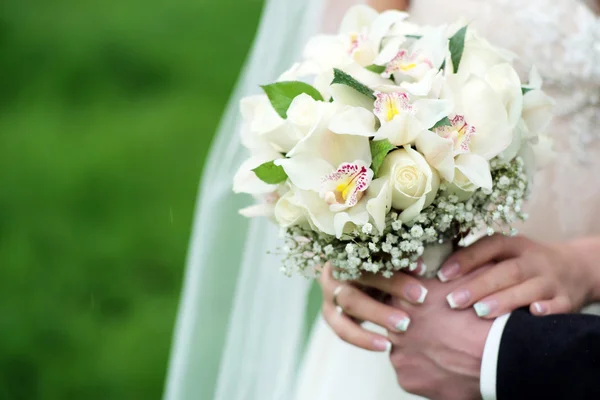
(493, 248)
(513, 298)
(350, 332)
(499, 277)
(401, 285)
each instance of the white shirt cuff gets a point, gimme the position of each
(489, 362)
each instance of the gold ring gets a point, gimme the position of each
(336, 293)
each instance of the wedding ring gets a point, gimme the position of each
(336, 293)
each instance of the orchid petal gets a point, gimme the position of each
(537, 111)
(379, 202)
(389, 51)
(476, 169)
(354, 121)
(484, 110)
(504, 80)
(402, 130)
(435, 44)
(246, 181)
(346, 95)
(382, 24)
(305, 172)
(356, 215)
(430, 111)
(421, 87)
(257, 210)
(357, 18)
(318, 211)
(439, 153)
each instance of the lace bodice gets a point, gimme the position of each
(562, 38)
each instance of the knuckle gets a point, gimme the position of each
(567, 304)
(344, 335)
(516, 272)
(410, 383)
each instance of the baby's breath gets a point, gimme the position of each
(400, 245)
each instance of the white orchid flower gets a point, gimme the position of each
(479, 128)
(401, 116)
(413, 63)
(358, 40)
(353, 48)
(373, 207)
(265, 128)
(331, 172)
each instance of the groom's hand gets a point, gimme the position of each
(439, 357)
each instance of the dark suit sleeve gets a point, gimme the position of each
(554, 357)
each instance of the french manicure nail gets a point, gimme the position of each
(460, 298)
(448, 271)
(540, 308)
(483, 309)
(416, 293)
(423, 269)
(400, 323)
(382, 344)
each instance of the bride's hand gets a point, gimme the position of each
(548, 279)
(356, 305)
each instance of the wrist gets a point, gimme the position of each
(583, 253)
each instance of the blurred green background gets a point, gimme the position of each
(107, 110)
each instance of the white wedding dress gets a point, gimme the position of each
(562, 38)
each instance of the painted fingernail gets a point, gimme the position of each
(448, 271)
(382, 345)
(484, 308)
(540, 308)
(400, 323)
(460, 298)
(415, 293)
(422, 269)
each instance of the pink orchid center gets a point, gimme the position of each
(388, 105)
(460, 132)
(356, 41)
(346, 185)
(407, 63)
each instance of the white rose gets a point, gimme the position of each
(414, 182)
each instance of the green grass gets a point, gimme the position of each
(107, 110)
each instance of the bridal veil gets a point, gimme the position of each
(241, 324)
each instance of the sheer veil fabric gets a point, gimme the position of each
(240, 326)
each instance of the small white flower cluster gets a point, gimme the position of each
(400, 245)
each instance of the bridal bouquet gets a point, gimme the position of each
(390, 140)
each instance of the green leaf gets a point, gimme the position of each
(457, 46)
(378, 69)
(525, 90)
(270, 173)
(281, 94)
(442, 122)
(413, 36)
(343, 78)
(379, 149)
(443, 67)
